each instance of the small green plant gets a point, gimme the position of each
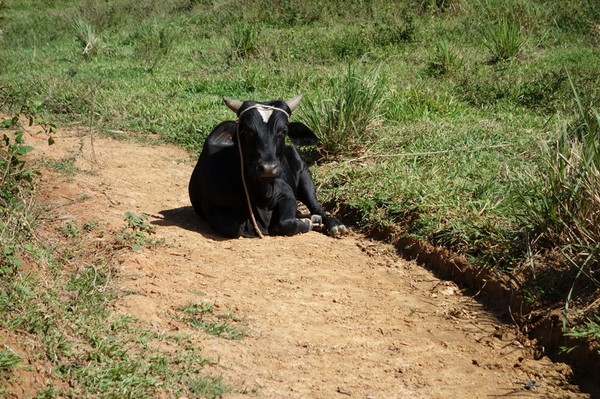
(138, 222)
(8, 361)
(395, 27)
(13, 168)
(135, 234)
(204, 317)
(65, 165)
(90, 225)
(345, 121)
(154, 43)
(444, 60)
(589, 329)
(16, 183)
(504, 41)
(209, 388)
(70, 230)
(244, 40)
(87, 38)
(351, 43)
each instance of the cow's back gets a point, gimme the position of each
(216, 181)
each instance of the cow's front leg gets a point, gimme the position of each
(307, 194)
(285, 222)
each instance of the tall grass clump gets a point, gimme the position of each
(564, 212)
(87, 38)
(504, 41)
(345, 120)
(154, 43)
(443, 61)
(244, 40)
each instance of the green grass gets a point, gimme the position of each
(137, 233)
(437, 118)
(504, 42)
(222, 324)
(67, 311)
(346, 116)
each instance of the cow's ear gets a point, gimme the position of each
(300, 134)
(222, 135)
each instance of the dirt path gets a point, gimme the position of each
(324, 318)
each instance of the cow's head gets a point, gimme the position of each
(263, 127)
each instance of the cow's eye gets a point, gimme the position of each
(281, 132)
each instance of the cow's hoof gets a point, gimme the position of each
(339, 231)
(316, 219)
(306, 225)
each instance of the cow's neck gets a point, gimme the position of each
(262, 192)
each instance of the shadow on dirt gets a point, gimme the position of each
(186, 218)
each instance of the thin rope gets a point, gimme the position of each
(263, 106)
(429, 153)
(248, 202)
(237, 132)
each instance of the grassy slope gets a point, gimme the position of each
(163, 67)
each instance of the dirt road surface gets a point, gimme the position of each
(323, 317)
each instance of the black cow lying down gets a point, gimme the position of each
(273, 172)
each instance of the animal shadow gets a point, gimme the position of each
(186, 218)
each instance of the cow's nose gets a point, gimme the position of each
(269, 170)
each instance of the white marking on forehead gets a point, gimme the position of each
(265, 113)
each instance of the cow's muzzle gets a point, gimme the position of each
(269, 171)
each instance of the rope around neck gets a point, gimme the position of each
(237, 132)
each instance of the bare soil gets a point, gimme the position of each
(323, 317)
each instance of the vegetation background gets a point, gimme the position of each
(470, 124)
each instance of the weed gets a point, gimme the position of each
(154, 43)
(344, 121)
(135, 234)
(65, 165)
(395, 27)
(443, 61)
(203, 317)
(91, 225)
(16, 203)
(505, 41)
(87, 38)
(591, 328)
(350, 45)
(244, 40)
(8, 360)
(12, 167)
(209, 388)
(562, 208)
(70, 230)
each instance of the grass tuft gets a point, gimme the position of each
(443, 61)
(87, 38)
(203, 316)
(345, 120)
(505, 41)
(244, 41)
(561, 207)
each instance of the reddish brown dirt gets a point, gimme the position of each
(325, 318)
